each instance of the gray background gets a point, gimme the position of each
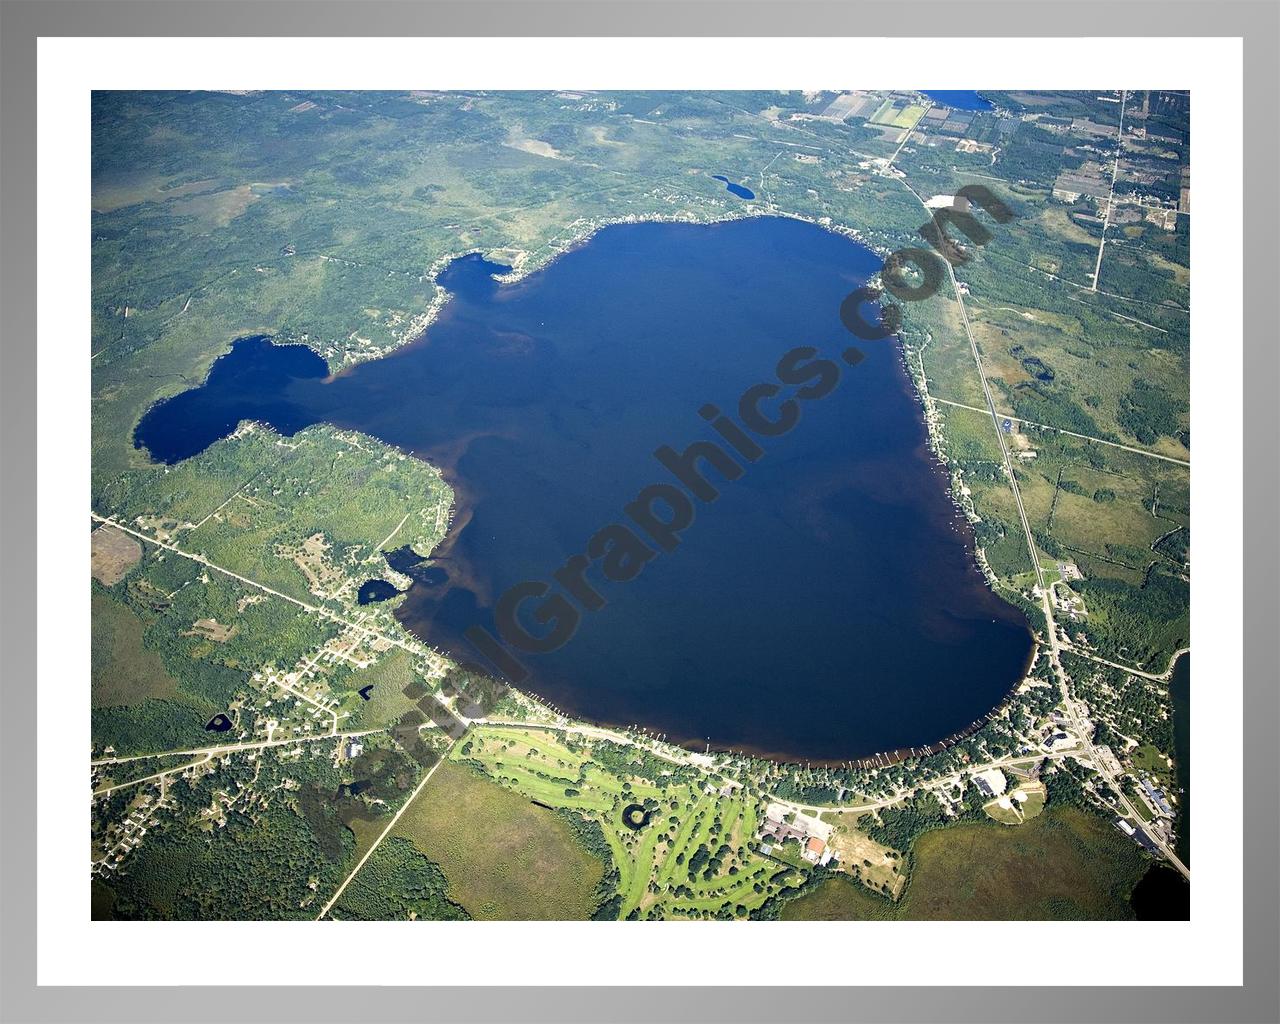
(1258, 1000)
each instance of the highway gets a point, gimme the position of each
(383, 834)
(1046, 603)
(1162, 677)
(1115, 171)
(1072, 433)
(231, 748)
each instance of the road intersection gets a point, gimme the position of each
(1054, 645)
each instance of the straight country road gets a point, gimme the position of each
(1111, 196)
(325, 613)
(1046, 603)
(1071, 433)
(151, 778)
(383, 834)
(231, 748)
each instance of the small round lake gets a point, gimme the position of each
(825, 606)
(373, 591)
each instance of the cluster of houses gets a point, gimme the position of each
(1137, 835)
(127, 836)
(1155, 797)
(812, 834)
(1068, 602)
(991, 783)
(1054, 735)
(1161, 825)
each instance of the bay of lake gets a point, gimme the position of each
(827, 606)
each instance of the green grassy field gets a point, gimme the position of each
(1006, 816)
(388, 701)
(696, 856)
(1147, 758)
(248, 502)
(124, 672)
(505, 858)
(1034, 804)
(898, 115)
(1019, 810)
(1063, 864)
(935, 325)
(397, 883)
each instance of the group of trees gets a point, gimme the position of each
(396, 882)
(1066, 785)
(1140, 625)
(257, 867)
(1148, 412)
(1124, 704)
(771, 909)
(792, 788)
(638, 761)
(243, 838)
(589, 833)
(899, 827)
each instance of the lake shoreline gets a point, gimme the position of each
(460, 514)
(522, 269)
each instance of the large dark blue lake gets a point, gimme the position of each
(825, 606)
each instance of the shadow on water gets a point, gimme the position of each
(1161, 895)
(635, 817)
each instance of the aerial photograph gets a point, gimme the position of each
(640, 506)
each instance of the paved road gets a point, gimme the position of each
(1162, 677)
(383, 834)
(1046, 603)
(418, 649)
(1071, 433)
(991, 405)
(1115, 171)
(677, 755)
(230, 748)
(151, 778)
